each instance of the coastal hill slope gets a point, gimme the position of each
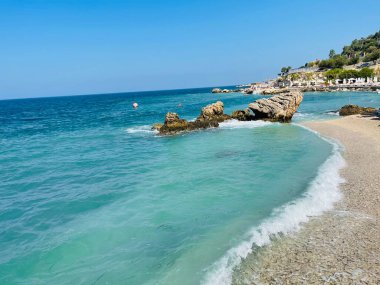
(356, 68)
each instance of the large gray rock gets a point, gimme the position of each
(279, 108)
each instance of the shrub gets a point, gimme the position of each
(333, 73)
(350, 73)
(366, 72)
(372, 56)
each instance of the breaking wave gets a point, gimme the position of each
(141, 129)
(321, 195)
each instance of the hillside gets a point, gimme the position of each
(360, 50)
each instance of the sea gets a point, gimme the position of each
(89, 194)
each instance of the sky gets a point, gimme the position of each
(72, 47)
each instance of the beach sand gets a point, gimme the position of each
(343, 245)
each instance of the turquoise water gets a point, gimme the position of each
(89, 195)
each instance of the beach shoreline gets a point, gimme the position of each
(342, 245)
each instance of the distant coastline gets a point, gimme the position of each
(356, 68)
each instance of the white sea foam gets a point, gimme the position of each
(321, 196)
(141, 129)
(334, 113)
(302, 115)
(235, 124)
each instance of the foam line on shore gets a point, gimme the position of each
(321, 195)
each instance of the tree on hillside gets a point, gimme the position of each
(337, 61)
(333, 73)
(332, 53)
(372, 56)
(366, 72)
(285, 70)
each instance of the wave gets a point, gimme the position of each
(141, 129)
(235, 124)
(302, 115)
(321, 195)
(333, 113)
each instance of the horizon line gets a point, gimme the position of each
(112, 93)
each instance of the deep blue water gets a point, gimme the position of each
(89, 195)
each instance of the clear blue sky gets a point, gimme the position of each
(52, 48)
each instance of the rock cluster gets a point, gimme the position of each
(348, 110)
(210, 117)
(279, 108)
(218, 90)
(174, 124)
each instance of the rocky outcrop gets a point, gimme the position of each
(210, 117)
(242, 115)
(173, 124)
(213, 112)
(274, 91)
(348, 110)
(279, 108)
(217, 90)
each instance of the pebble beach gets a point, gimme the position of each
(343, 245)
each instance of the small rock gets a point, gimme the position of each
(348, 110)
(216, 90)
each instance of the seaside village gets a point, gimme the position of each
(364, 76)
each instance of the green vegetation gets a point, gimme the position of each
(362, 50)
(337, 61)
(332, 53)
(372, 56)
(339, 73)
(285, 70)
(295, 76)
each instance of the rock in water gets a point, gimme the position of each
(348, 110)
(210, 117)
(213, 112)
(279, 108)
(242, 115)
(171, 118)
(173, 124)
(216, 90)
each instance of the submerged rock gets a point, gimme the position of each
(242, 115)
(348, 110)
(279, 108)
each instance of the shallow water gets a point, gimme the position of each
(89, 195)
